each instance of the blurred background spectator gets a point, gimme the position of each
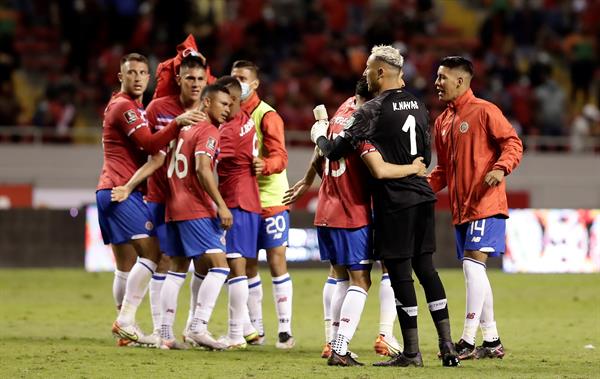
(536, 59)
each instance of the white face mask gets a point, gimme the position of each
(245, 91)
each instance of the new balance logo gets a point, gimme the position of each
(471, 315)
(169, 310)
(282, 299)
(345, 319)
(476, 239)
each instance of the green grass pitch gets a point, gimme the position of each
(56, 323)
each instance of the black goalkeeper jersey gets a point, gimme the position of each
(397, 124)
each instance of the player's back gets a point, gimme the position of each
(160, 113)
(187, 199)
(401, 134)
(122, 117)
(238, 147)
(344, 197)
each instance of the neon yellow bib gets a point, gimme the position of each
(271, 187)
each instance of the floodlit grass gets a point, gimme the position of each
(56, 323)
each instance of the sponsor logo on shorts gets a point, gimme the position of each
(475, 239)
(130, 116)
(464, 126)
(149, 225)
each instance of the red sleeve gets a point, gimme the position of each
(128, 117)
(437, 177)
(207, 142)
(151, 117)
(505, 135)
(365, 147)
(274, 152)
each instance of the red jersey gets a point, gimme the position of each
(122, 157)
(344, 198)
(187, 200)
(239, 145)
(160, 113)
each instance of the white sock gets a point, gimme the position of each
(194, 288)
(238, 306)
(387, 307)
(255, 295)
(476, 281)
(282, 295)
(137, 284)
(328, 290)
(207, 297)
(155, 287)
(352, 309)
(487, 321)
(336, 304)
(119, 284)
(168, 302)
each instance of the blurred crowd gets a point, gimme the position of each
(536, 59)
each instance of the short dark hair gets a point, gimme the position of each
(362, 88)
(211, 89)
(192, 61)
(229, 82)
(457, 61)
(247, 65)
(134, 57)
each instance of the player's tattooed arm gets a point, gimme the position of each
(121, 193)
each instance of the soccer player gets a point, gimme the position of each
(396, 123)
(345, 210)
(194, 228)
(239, 188)
(477, 147)
(128, 226)
(270, 169)
(160, 112)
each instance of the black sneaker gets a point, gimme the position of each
(464, 350)
(401, 360)
(448, 354)
(285, 341)
(489, 352)
(342, 360)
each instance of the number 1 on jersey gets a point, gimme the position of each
(409, 126)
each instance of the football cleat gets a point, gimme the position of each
(203, 339)
(285, 341)
(342, 360)
(131, 332)
(401, 360)
(124, 342)
(253, 338)
(489, 352)
(386, 346)
(448, 354)
(151, 340)
(326, 353)
(173, 344)
(231, 344)
(465, 351)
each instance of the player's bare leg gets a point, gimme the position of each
(350, 313)
(385, 343)
(282, 295)
(207, 297)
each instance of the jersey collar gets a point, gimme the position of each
(462, 100)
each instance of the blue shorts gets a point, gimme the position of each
(273, 231)
(242, 238)
(352, 248)
(487, 235)
(193, 238)
(122, 222)
(157, 210)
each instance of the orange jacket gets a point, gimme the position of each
(472, 137)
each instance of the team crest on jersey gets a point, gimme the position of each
(130, 116)
(149, 225)
(211, 143)
(349, 122)
(464, 126)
